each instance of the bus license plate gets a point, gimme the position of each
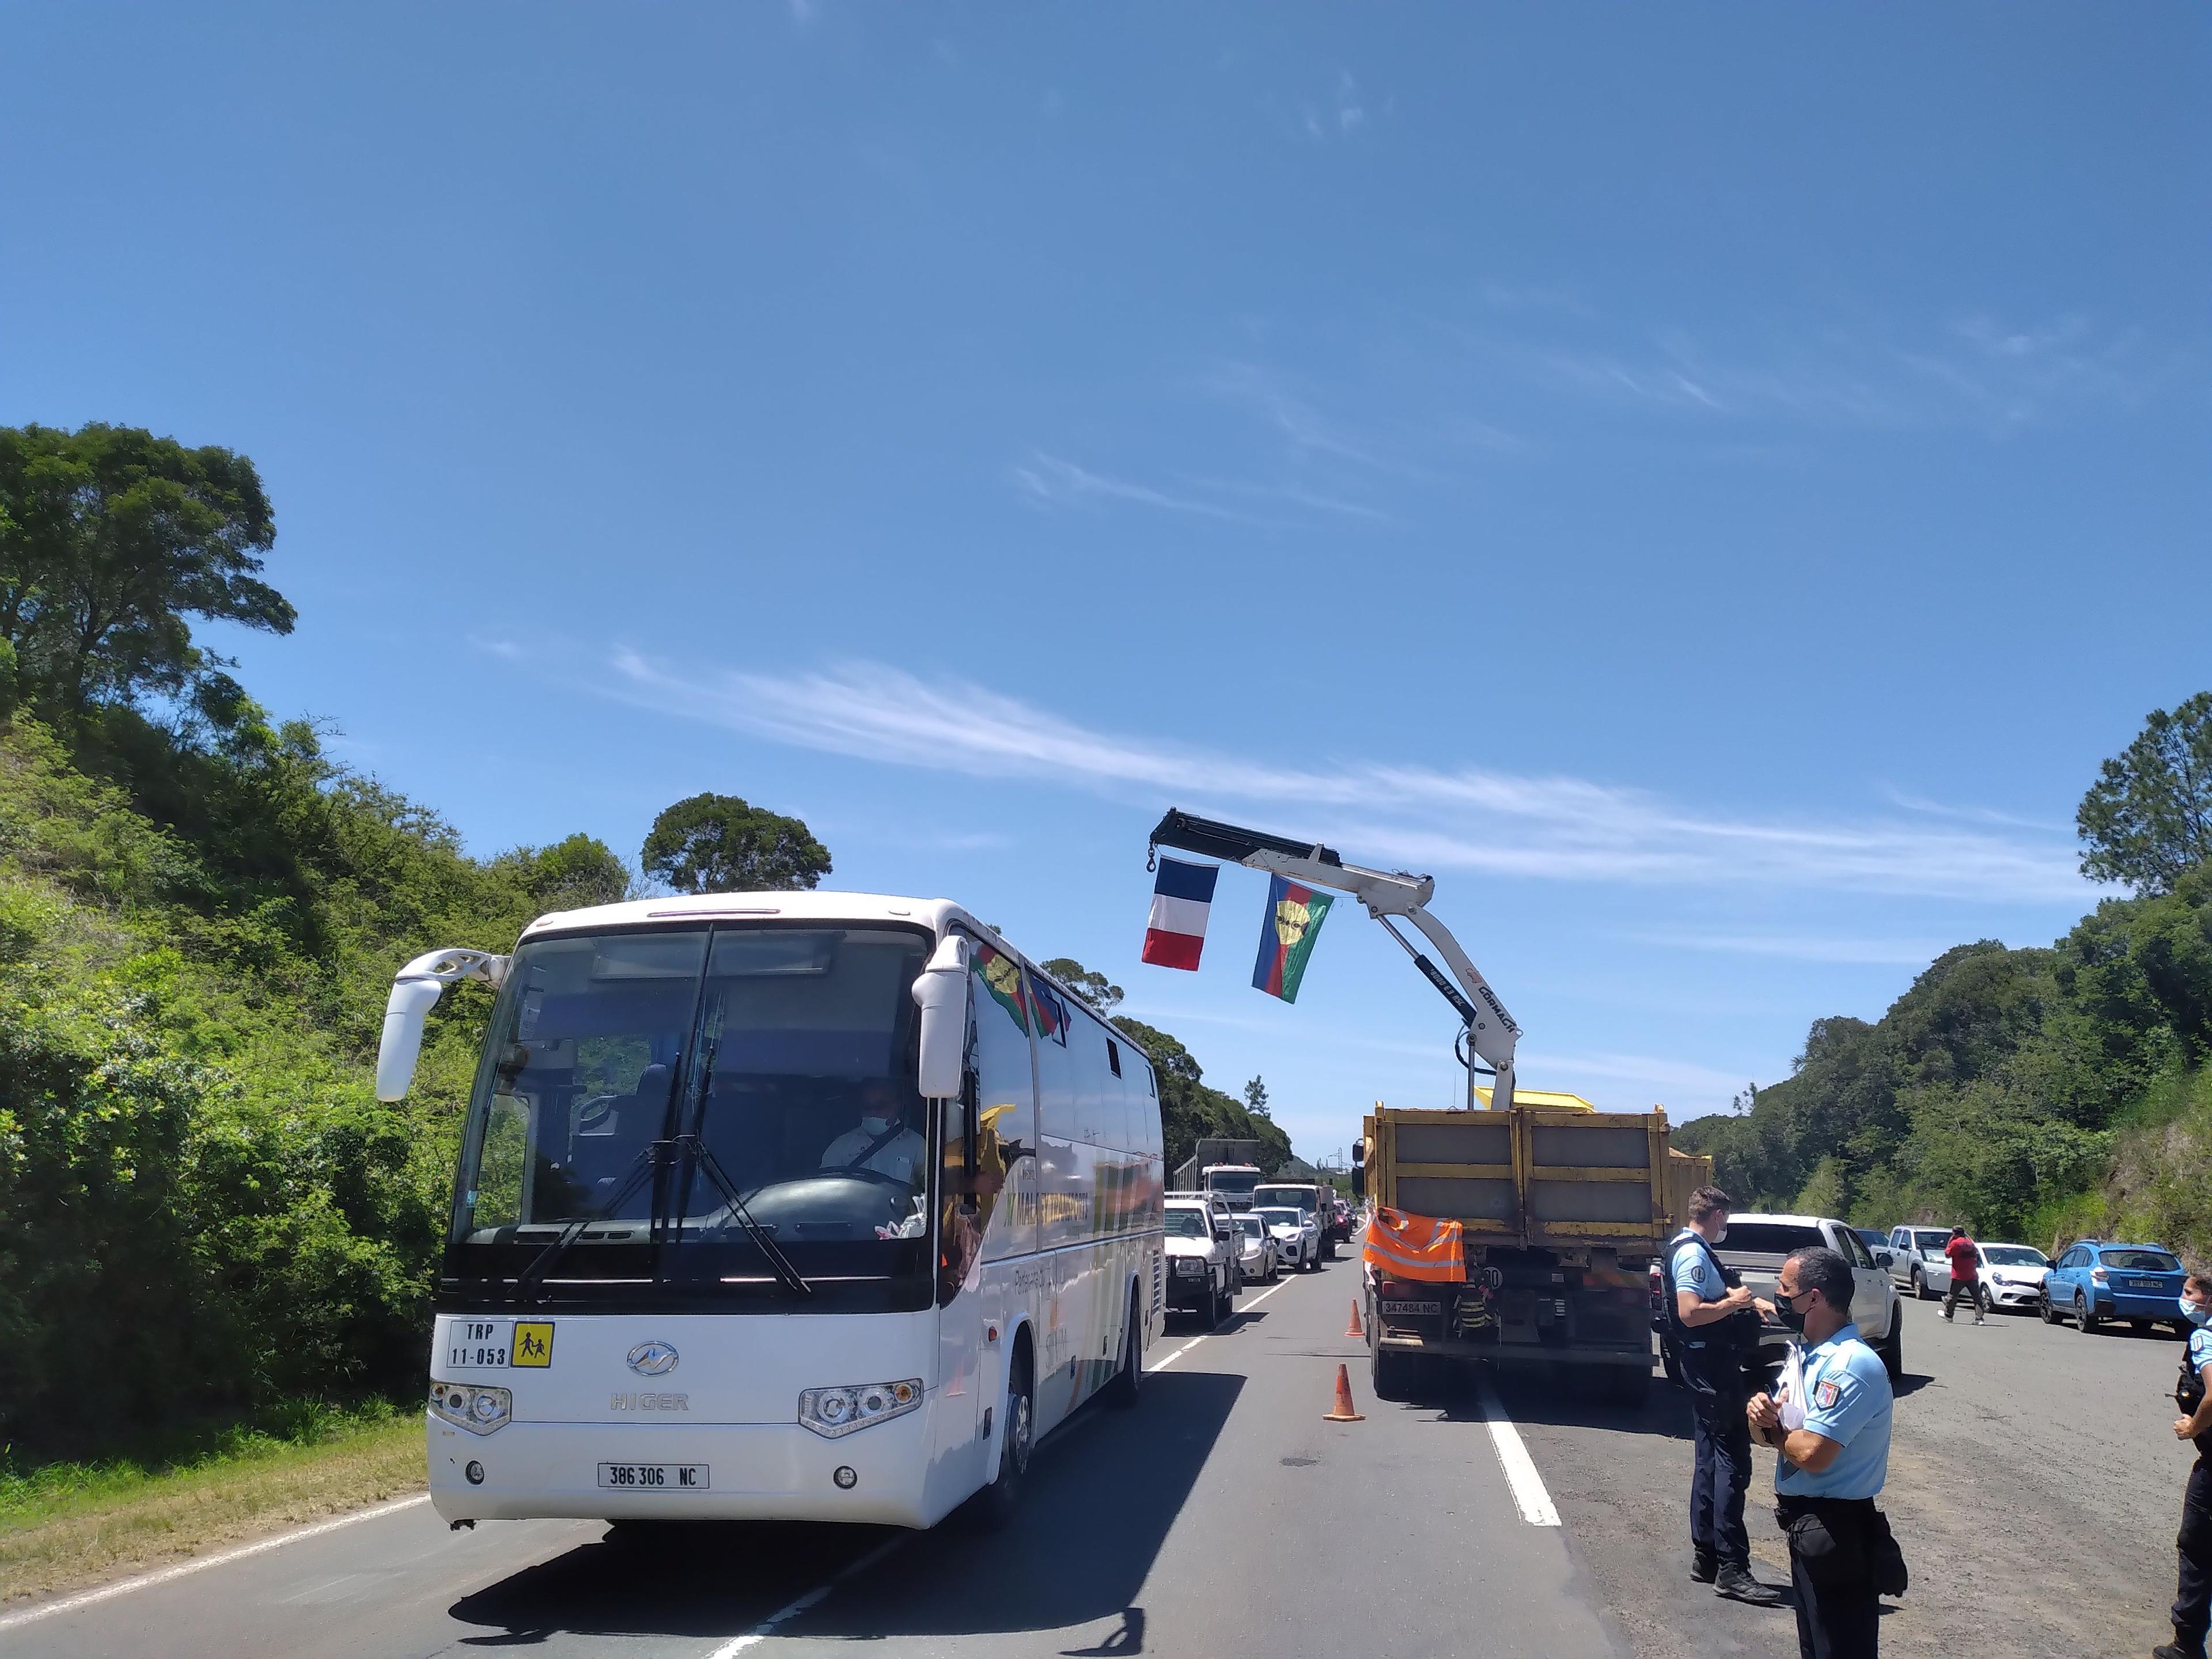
(653, 1477)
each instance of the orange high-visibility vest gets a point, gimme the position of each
(1402, 1246)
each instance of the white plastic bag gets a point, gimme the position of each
(1791, 1392)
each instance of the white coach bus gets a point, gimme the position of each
(807, 1205)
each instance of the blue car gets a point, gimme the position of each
(2093, 1280)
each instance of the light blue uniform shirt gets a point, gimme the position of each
(2200, 1348)
(1694, 1271)
(1847, 1400)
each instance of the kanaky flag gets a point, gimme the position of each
(1182, 898)
(1287, 931)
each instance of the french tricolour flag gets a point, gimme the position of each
(1182, 898)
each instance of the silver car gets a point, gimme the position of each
(1262, 1261)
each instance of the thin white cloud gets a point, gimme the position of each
(1554, 828)
(1844, 950)
(1049, 479)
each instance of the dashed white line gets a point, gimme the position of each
(201, 1564)
(1535, 1503)
(766, 1628)
(1162, 1364)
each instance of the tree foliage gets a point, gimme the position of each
(111, 540)
(710, 843)
(1255, 1097)
(2148, 816)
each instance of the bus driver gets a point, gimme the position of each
(881, 1141)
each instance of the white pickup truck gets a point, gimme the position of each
(1755, 1247)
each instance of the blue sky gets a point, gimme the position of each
(1709, 485)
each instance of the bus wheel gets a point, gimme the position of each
(1123, 1389)
(996, 1503)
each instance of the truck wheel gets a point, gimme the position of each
(1892, 1347)
(1328, 1249)
(1392, 1378)
(1627, 1386)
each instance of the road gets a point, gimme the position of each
(1223, 1516)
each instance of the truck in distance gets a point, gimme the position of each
(1234, 1182)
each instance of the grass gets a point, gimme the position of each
(64, 1526)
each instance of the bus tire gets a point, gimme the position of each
(995, 1504)
(1122, 1391)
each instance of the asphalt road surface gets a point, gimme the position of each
(2035, 1485)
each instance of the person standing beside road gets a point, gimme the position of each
(1966, 1258)
(1832, 1433)
(2192, 1600)
(1712, 1369)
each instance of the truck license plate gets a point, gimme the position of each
(653, 1477)
(1391, 1309)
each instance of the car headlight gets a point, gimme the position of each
(833, 1411)
(1190, 1264)
(466, 1406)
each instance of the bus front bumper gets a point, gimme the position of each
(757, 1471)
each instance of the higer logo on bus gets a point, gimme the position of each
(653, 1360)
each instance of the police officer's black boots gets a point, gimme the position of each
(2177, 1650)
(1704, 1563)
(1734, 1581)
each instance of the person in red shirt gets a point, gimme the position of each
(1966, 1258)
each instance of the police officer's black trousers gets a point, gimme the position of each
(2192, 1604)
(1832, 1568)
(1722, 1444)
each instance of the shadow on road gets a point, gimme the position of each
(1119, 1477)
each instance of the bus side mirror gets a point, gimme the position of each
(940, 992)
(415, 991)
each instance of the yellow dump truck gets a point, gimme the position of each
(1561, 1208)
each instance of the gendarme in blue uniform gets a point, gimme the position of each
(1848, 1401)
(2200, 1348)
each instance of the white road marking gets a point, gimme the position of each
(221, 1557)
(1521, 1474)
(766, 1628)
(1162, 1364)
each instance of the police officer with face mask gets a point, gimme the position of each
(2192, 1601)
(1830, 1420)
(1707, 1318)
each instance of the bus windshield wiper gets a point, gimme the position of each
(792, 1277)
(641, 1167)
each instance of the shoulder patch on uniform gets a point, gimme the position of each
(1824, 1395)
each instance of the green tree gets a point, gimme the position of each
(111, 539)
(1255, 1097)
(569, 874)
(712, 843)
(2147, 818)
(1093, 988)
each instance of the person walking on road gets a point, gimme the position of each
(2192, 1600)
(1831, 1428)
(1703, 1302)
(1966, 1258)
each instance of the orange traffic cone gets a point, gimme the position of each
(1353, 1329)
(1343, 1414)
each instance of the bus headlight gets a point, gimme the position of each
(480, 1411)
(833, 1411)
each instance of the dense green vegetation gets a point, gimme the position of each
(2037, 1094)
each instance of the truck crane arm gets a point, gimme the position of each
(1491, 1033)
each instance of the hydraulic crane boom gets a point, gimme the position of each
(1491, 1032)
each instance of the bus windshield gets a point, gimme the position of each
(653, 1103)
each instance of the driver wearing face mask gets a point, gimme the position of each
(880, 1142)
